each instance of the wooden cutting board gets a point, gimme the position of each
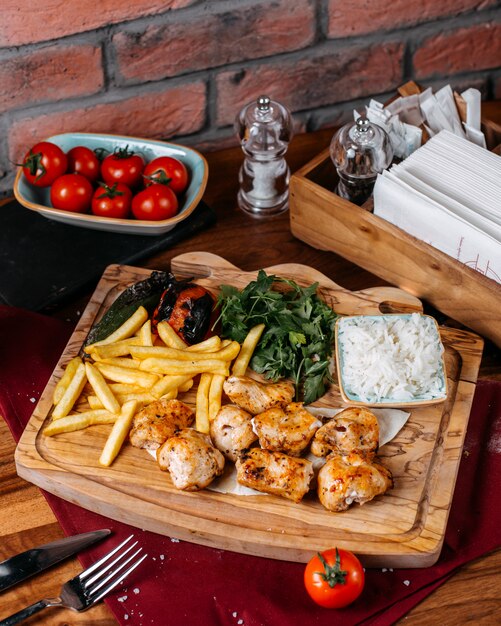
(403, 528)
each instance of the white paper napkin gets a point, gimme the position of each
(448, 194)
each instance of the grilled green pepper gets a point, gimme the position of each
(144, 293)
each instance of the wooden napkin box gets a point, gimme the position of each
(328, 222)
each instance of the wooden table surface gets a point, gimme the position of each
(472, 594)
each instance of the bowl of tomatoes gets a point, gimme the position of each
(112, 182)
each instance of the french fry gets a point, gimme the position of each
(185, 386)
(172, 395)
(142, 398)
(208, 345)
(172, 340)
(132, 364)
(173, 367)
(169, 336)
(94, 403)
(168, 383)
(120, 390)
(115, 349)
(101, 389)
(118, 433)
(126, 330)
(249, 345)
(145, 397)
(202, 403)
(129, 376)
(145, 334)
(71, 394)
(125, 388)
(79, 421)
(145, 352)
(65, 379)
(215, 395)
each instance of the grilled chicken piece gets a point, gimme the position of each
(158, 421)
(190, 458)
(231, 431)
(256, 397)
(275, 473)
(344, 480)
(288, 430)
(353, 430)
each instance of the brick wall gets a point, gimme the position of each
(183, 68)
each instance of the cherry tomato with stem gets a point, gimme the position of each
(167, 171)
(334, 578)
(84, 161)
(112, 201)
(44, 163)
(123, 166)
(71, 192)
(156, 202)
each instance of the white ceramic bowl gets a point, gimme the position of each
(38, 198)
(427, 397)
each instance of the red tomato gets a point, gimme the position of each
(168, 171)
(112, 201)
(82, 160)
(44, 163)
(334, 578)
(156, 202)
(123, 166)
(71, 192)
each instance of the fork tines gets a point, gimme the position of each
(103, 582)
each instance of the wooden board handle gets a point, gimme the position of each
(210, 268)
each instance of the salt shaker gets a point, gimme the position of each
(360, 151)
(264, 128)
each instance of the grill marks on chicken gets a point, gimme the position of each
(256, 397)
(231, 431)
(158, 421)
(352, 430)
(274, 473)
(344, 480)
(288, 430)
(191, 460)
(350, 440)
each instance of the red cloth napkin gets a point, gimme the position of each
(186, 584)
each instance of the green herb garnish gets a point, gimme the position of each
(299, 334)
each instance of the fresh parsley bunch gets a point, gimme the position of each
(299, 330)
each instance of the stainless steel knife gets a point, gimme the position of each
(28, 563)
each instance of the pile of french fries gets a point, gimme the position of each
(133, 367)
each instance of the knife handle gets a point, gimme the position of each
(28, 612)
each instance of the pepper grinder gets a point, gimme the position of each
(360, 151)
(264, 130)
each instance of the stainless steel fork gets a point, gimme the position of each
(91, 585)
